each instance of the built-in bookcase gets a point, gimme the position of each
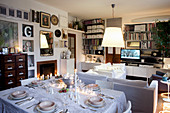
(139, 36)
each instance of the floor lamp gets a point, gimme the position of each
(113, 38)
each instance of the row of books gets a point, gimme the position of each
(89, 52)
(138, 36)
(90, 47)
(93, 21)
(140, 27)
(148, 45)
(92, 42)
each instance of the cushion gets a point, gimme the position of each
(138, 83)
(160, 73)
(91, 72)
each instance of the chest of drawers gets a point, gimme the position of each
(13, 68)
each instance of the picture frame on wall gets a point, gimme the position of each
(19, 14)
(11, 12)
(3, 10)
(25, 15)
(45, 20)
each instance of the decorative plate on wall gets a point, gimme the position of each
(57, 33)
(54, 20)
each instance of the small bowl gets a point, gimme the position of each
(46, 105)
(95, 100)
(164, 78)
(18, 94)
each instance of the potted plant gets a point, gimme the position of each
(161, 36)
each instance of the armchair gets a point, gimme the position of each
(158, 76)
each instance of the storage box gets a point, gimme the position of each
(89, 27)
(94, 27)
(100, 36)
(140, 27)
(89, 31)
(100, 30)
(100, 26)
(89, 36)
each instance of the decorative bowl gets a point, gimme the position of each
(18, 94)
(46, 105)
(95, 100)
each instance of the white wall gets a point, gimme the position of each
(79, 56)
(32, 4)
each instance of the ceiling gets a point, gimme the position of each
(88, 9)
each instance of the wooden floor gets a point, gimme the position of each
(160, 105)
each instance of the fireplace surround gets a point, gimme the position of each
(46, 67)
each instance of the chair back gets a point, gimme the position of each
(27, 81)
(128, 108)
(104, 84)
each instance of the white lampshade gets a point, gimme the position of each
(44, 43)
(113, 37)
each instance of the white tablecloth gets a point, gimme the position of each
(116, 105)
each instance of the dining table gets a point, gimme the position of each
(116, 103)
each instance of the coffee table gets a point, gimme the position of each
(168, 83)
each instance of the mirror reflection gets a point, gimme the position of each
(46, 43)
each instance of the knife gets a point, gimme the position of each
(21, 102)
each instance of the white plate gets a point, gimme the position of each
(14, 98)
(18, 94)
(39, 110)
(95, 106)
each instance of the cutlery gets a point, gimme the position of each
(32, 105)
(103, 95)
(29, 86)
(21, 102)
(86, 108)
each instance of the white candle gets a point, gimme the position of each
(51, 75)
(42, 76)
(47, 76)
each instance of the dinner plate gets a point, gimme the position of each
(95, 106)
(18, 94)
(96, 100)
(41, 111)
(95, 87)
(14, 98)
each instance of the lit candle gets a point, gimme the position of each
(51, 75)
(42, 77)
(47, 76)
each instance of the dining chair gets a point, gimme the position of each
(128, 108)
(27, 81)
(104, 84)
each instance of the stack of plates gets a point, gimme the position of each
(95, 102)
(46, 107)
(94, 87)
(18, 95)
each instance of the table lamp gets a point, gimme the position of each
(113, 38)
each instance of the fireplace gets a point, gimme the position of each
(46, 68)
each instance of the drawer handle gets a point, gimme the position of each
(21, 73)
(20, 59)
(9, 60)
(10, 82)
(9, 67)
(21, 66)
(10, 75)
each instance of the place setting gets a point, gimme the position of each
(35, 83)
(18, 95)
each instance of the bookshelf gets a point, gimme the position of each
(139, 36)
(92, 39)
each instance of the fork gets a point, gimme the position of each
(86, 108)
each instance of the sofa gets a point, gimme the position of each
(158, 76)
(117, 70)
(90, 77)
(144, 98)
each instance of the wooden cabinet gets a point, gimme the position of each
(13, 68)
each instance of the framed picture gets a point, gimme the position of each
(25, 15)
(5, 50)
(19, 14)
(45, 20)
(3, 10)
(11, 50)
(11, 12)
